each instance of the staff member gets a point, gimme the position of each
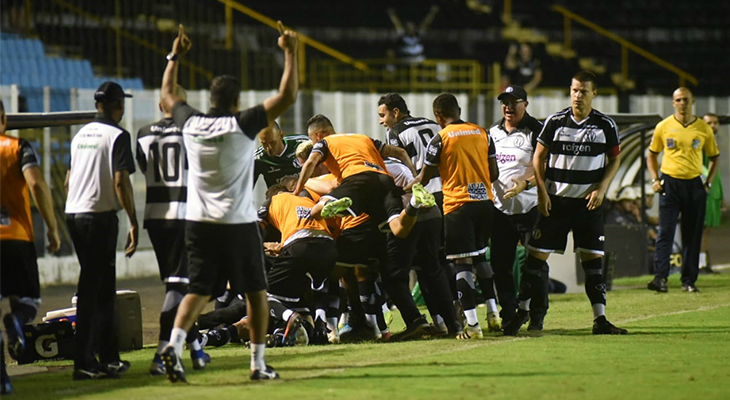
(98, 186)
(682, 137)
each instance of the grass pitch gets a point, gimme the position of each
(678, 347)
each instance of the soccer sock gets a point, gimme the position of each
(332, 324)
(173, 296)
(703, 259)
(161, 345)
(257, 356)
(534, 276)
(177, 338)
(320, 314)
(195, 345)
(492, 306)
(368, 299)
(595, 286)
(485, 276)
(465, 289)
(524, 305)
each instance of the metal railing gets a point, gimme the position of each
(384, 75)
(626, 46)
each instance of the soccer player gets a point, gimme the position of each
(716, 204)
(98, 185)
(221, 234)
(162, 159)
(465, 160)
(365, 186)
(682, 137)
(20, 175)
(276, 157)
(576, 157)
(515, 200)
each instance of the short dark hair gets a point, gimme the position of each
(224, 91)
(446, 105)
(586, 76)
(320, 122)
(393, 101)
(709, 114)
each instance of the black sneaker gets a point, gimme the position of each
(83, 375)
(319, 333)
(514, 325)
(266, 374)
(416, 330)
(536, 324)
(601, 326)
(690, 287)
(16, 339)
(114, 369)
(174, 369)
(658, 284)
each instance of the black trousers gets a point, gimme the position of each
(94, 237)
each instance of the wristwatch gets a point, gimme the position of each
(528, 184)
(172, 57)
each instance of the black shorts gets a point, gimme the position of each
(288, 276)
(467, 229)
(551, 233)
(19, 269)
(360, 245)
(372, 193)
(172, 259)
(221, 253)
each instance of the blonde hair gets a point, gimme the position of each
(304, 149)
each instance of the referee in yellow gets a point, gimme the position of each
(682, 137)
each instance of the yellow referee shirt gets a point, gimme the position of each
(683, 146)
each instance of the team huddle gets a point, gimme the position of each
(347, 217)
(345, 220)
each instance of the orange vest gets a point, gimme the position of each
(464, 165)
(16, 223)
(289, 213)
(351, 154)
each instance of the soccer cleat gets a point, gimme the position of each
(601, 326)
(690, 287)
(199, 358)
(292, 326)
(536, 324)
(114, 369)
(658, 284)
(494, 324)
(333, 337)
(334, 207)
(514, 325)
(423, 198)
(360, 333)
(319, 333)
(216, 337)
(16, 339)
(174, 368)
(471, 332)
(157, 367)
(266, 374)
(416, 330)
(302, 336)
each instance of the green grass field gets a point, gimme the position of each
(678, 347)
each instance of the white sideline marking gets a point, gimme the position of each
(703, 308)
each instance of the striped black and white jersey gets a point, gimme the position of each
(98, 150)
(220, 148)
(514, 151)
(161, 157)
(413, 135)
(578, 151)
(274, 168)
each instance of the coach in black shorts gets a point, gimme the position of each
(222, 236)
(570, 199)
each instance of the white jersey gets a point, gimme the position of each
(514, 151)
(220, 148)
(98, 150)
(162, 158)
(402, 176)
(413, 135)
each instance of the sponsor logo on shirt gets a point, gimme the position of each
(670, 143)
(303, 212)
(465, 133)
(518, 141)
(373, 166)
(576, 149)
(505, 158)
(695, 144)
(477, 191)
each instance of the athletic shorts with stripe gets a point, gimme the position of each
(467, 229)
(168, 241)
(550, 234)
(372, 193)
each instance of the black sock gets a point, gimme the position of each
(465, 287)
(595, 286)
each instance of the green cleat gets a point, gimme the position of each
(335, 207)
(423, 198)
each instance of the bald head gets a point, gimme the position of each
(272, 139)
(682, 101)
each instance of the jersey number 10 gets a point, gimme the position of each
(162, 166)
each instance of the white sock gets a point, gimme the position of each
(177, 338)
(286, 314)
(491, 305)
(161, 345)
(471, 317)
(703, 260)
(344, 318)
(599, 310)
(320, 314)
(195, 345)
(257, 356)
(525, 305)
(413, 202)
(438, 320)
(371, 319)
(332, 324)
